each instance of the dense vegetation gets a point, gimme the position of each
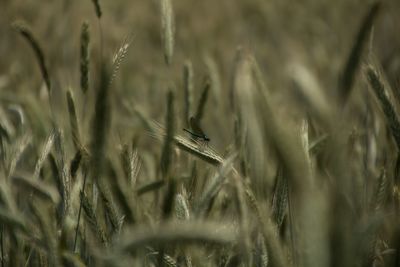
(299, 100)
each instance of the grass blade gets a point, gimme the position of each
(38, 188)
(188, 90)
(101, 124)
(167, 151)
(178, 233)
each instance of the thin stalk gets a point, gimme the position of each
(80, 211)
(291, 223)
(2, 246)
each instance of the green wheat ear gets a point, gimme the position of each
(26, 32)
(380, 195)
(109, 207)
(43, 154)
(97, 8)
(353, 61)
(119, 57)
(203, 100)
(167, 29)
(206, 154)
(214, 186)
(262, 258)
(388, 108)
(84, 63)
(122, 194)
(182, 207)
(280, 198)
(92, 219)
(73, 121)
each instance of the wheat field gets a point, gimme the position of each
(200, 133)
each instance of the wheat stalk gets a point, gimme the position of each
(166, 155)
(101, 123)
(203, 100)
(188, 90)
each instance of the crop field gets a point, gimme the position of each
(200, 133)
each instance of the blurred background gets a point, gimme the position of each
(317, 34)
